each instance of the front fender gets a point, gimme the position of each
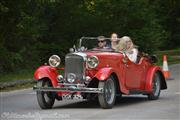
(149, 78)
(104, 73)
(47, 72)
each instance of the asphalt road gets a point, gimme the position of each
(22, 105)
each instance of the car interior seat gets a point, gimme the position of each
(139, 56)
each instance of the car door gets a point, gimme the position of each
(134, 74)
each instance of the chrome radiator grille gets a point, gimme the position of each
(74, 64)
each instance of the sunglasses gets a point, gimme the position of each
(101, 41)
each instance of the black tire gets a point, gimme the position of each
(45, 99)
(108, 97)
(156, 86)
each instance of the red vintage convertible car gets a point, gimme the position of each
(97, 73)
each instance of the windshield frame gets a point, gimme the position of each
(79, 45)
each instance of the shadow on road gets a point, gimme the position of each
(130, 100)
(120, 102)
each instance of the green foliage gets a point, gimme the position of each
(172, 56)
(33, 30)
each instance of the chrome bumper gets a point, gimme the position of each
(68, 89)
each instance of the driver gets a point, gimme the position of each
(101, 42)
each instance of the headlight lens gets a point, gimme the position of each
(54, 61)
(92, 62)
(71, 77)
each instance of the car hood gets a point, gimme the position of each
(112, 59)
(103, 54)
(100, 54)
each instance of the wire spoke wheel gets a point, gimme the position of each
(45, 99)
(156, 88)
(107, 98)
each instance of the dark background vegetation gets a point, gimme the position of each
(32, 30)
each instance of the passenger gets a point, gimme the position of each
(114, 41)
(131, 51)
(101, 42)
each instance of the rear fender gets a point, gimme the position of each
(149, 78)
(47, 72)
(104, 73)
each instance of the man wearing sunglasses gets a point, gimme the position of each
(101, 42)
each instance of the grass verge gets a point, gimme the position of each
(17, 87)
(172, 56)
(19, 75)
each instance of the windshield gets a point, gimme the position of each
(91, 43)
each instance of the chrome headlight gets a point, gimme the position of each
(54, 61)
(92, 62)
(71, 77)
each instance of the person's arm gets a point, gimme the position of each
(134, 55)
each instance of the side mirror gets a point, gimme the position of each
(153, 59)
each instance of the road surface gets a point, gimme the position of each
(22, 105)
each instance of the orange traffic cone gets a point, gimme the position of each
(165, 67)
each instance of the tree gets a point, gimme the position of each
(32, 30)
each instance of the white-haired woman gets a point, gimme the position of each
(131, 50)
(121, 46)
(127, 45)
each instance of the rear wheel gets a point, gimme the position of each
(45, 99)
(107, 98)
(156, 88)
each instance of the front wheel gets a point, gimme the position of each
(107, 98)
(156, 88)
(45, 99)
